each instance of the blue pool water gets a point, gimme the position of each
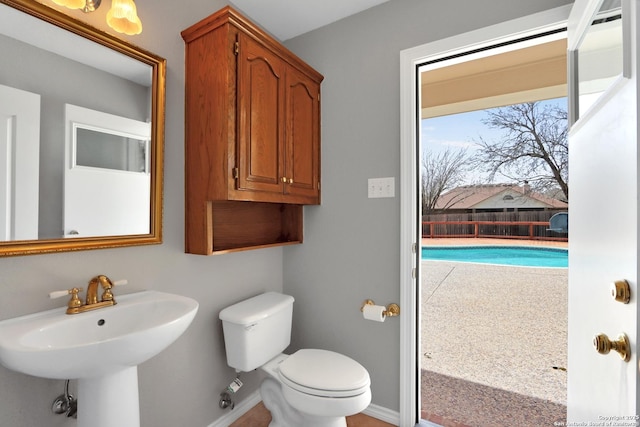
(502, 255)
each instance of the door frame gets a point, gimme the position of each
(410, 60)
(20, 156)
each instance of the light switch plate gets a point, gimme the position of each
(382, 187)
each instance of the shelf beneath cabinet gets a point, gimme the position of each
(238, 226)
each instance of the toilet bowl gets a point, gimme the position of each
(311, 387)
(321, 387)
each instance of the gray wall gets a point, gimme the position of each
(351, 249)
(351, 242)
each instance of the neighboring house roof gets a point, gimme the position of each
(496, 196)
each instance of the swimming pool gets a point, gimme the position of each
(502, 255)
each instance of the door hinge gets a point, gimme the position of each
(413, 273)
(236, 48)
(236, 174)
(414, 248)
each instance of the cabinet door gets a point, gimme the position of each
(302, 140)
(261, 91)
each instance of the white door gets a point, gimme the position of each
(603, 221)
(19, 163)
(107, 184)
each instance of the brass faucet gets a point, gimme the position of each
(91, 302)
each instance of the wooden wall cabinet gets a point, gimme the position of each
(252, 137)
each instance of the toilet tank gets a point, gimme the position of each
(257, 329)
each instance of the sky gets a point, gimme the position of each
(460, 131)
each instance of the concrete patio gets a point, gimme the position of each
(493, 343)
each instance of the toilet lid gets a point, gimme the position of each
(324, 373)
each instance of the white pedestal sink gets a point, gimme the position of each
(101, 349)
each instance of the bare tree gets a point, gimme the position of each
(533, 147)
(441, 172)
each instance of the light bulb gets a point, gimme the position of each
(123, 17)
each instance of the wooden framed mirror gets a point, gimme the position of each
(68, 81)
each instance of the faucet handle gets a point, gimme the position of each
(58, 294)
(107, 295)
(74, 302)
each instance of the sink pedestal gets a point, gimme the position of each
(110, 400)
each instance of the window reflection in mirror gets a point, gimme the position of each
(600, 56)
(100, 149)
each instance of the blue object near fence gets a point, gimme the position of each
(559, 222)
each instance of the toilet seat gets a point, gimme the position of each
(324, 373)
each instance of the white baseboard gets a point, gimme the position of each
(375, 411)
(383, 414)
(240, 409)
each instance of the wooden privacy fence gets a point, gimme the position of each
(503, 225)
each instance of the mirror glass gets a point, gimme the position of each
(600, 55)
(81, 135)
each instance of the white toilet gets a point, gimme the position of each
(310, 388)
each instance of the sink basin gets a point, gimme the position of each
(53, 344)
(100, 348)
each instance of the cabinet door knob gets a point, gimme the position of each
(290, 180)
(284, 179)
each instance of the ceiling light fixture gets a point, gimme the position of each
(122, 17)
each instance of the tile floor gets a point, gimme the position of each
(259, 416)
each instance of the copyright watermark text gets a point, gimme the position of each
(604, 421)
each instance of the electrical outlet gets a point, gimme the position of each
(381, 187)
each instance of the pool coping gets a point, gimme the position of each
(471, 241)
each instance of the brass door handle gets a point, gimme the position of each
(621, 291)
(604, 345)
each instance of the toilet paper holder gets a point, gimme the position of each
(392, 310)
